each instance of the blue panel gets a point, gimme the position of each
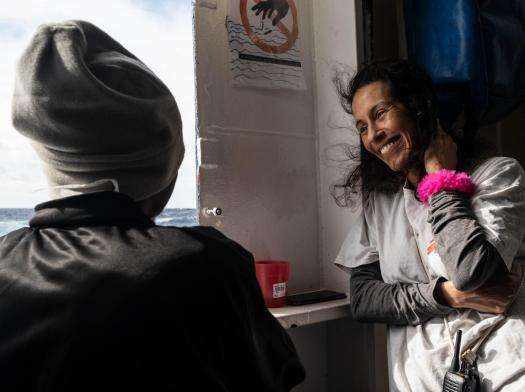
(444, 37)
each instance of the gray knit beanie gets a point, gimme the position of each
(94, 111)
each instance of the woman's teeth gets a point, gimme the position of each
(383, 150)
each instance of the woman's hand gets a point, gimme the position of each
(441, 153)
(495, 297)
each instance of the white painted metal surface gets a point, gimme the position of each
(257, 160)
(298, 316)
(335, 49)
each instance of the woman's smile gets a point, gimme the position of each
(390, 146)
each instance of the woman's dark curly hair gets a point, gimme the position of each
(410, 86)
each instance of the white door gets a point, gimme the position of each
(258, 159)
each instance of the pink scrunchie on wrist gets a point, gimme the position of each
(444, 180)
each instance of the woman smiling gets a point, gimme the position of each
(439, 242)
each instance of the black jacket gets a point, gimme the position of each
(95, 296)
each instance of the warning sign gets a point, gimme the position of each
(264, 44)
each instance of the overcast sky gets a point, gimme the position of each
(159, 32)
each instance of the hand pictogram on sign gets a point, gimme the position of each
(267, 8)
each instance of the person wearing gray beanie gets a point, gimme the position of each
(94, 113)
(96, 296)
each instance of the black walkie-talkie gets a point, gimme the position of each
(460, 378)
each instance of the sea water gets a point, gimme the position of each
(15, 218)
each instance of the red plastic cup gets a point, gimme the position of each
(273, 277)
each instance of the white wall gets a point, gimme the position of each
(258, 150)
(335, 47)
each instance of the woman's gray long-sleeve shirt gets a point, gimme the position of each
(469, 258)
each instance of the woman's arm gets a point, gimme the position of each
(470, 260)
(372, 300)
(480, 279)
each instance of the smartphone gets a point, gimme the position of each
(313, 297)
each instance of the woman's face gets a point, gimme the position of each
(384, 125)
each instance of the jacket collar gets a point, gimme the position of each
(92, 209)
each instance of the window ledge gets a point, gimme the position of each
(297, 316)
